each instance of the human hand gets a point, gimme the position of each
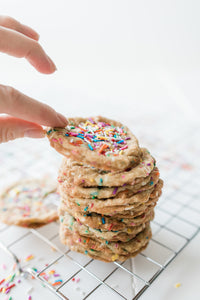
(24, 114)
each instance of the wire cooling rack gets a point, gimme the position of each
(176, 223)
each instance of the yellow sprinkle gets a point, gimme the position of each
(121, 152)
(29, 257)
(129, 230)
(115, 257)
(91, 180)
(177, 285)
(7, 278)
(3, 290)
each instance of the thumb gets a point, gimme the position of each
(13, 128)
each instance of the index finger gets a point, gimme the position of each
(19, 45)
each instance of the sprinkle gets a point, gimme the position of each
(86, 252)
(77, 280)
(177, 285)
(101, 181)
(78, 203)
(106, 242)
(29, 297)
(57, 282)
(115, 257)
(2, 281)
(90, 147)
(125, 147)
(86, 208)
(120, 142)
(29, 257)
(115, 190)
(103, 220)
(110, 227)
(73, 279)
(12, 278)
(151, 183)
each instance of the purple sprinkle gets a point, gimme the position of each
(128, 138)
(91, 121)
(115, 190)
(56, 275)
(148, 164)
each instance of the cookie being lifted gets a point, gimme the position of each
(98, 142)
(29, 203)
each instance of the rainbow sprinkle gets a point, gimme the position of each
(104, 137)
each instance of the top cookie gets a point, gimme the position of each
(99, 142)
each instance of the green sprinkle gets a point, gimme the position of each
(12, 278)
(48, 132)
(84, 241)
(78, 203)
(86, 231)
(72, 127)
(61, 219)
(92, 250)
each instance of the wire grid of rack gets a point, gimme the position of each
(175, 225)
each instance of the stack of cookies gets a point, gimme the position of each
(109, 187)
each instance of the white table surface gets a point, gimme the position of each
(128, 61)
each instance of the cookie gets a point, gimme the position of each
(102, 222)
(124, 235)
(109, 192)
(77, 174)
(106, 251)
(98, 142)
(29, 203)
(138, 202)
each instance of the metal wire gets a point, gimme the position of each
(159, 266)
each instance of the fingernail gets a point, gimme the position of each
(62, 119)
(52, 65)
(34, 133)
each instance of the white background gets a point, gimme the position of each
(115, 58)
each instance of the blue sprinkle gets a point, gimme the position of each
(86, 252)
(107, 242)
(101, 181)
(120, 142)
(103, 220)
(151, 182)
(66, 134)
(90, 147)
(86, 208)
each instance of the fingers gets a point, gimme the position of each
(19, 45)
(18, 105)
(13, 24)
(12, 128)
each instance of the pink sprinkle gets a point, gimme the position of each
(132, 224)
(73, 133)
(77, 280)
(125, 147)
(54, 140)
(29, 297)
(4, 266)
(123, 176)
(79, 240)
